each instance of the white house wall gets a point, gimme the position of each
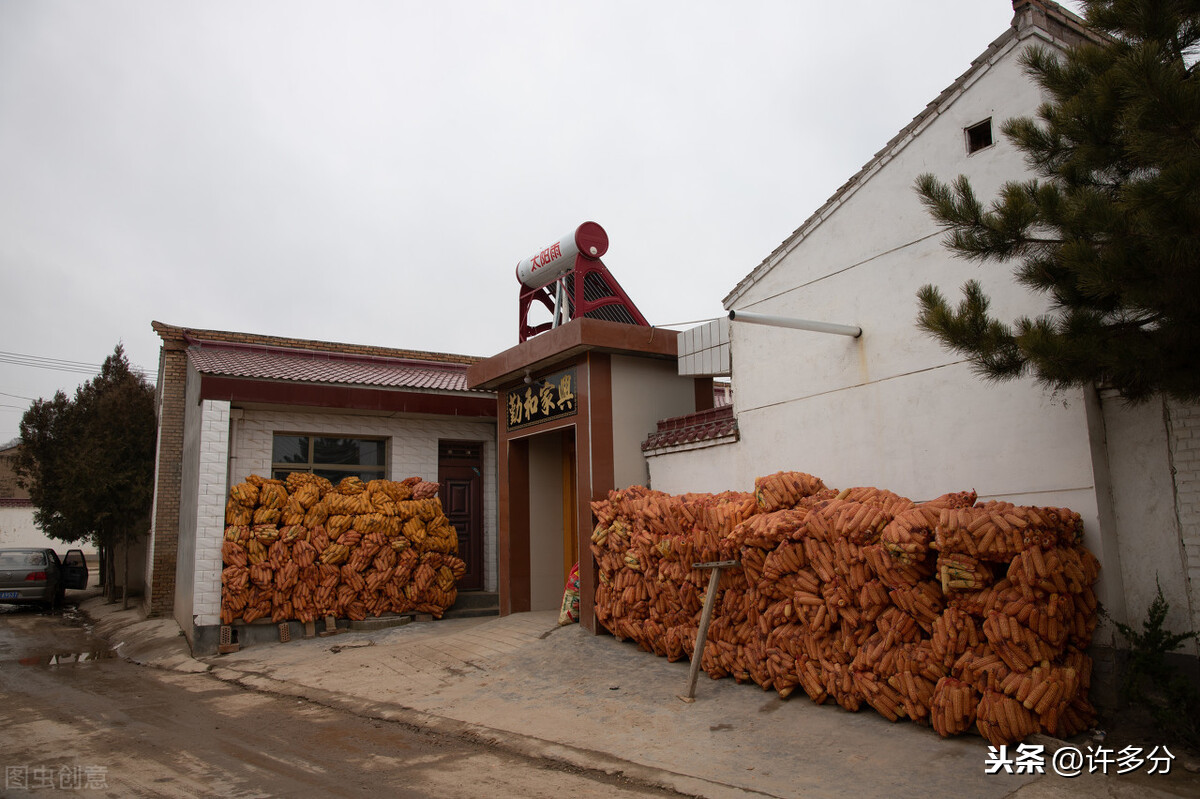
(203, 491)
(1158, 546)
(893, 408)
(210, 510)
(864, 263)
(17, 529)
(710, 469)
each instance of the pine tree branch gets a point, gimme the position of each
(1108, 230)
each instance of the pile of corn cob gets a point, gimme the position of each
(947, 612)
(303, 549)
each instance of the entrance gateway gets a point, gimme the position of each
(576, 396)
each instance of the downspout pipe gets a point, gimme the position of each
(770, 320)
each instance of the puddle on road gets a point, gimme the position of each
(68, 610)
(65, 658)
(45, 637)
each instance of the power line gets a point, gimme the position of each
(690, 322)
(44, 358)
(54, 364)
(17, 396)
(60, 364)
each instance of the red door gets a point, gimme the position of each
(460, 474)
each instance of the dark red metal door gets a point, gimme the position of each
(460, 474)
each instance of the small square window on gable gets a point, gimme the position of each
(979, 136)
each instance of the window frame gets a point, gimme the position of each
(312, 467)
(968, 138)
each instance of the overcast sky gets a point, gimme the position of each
(371, 172)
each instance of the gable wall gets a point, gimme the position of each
(893, 408)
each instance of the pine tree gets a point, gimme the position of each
(1108, 231)
(88, 461)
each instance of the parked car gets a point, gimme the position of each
(37, 576)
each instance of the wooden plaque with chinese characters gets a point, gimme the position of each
(546, 398)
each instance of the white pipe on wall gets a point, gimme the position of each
(799, 324)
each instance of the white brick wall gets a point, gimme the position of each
(413, 451)
(1184, 441)
(210, 510)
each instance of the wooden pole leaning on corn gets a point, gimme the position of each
(710, 599)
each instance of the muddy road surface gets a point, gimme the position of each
(75, 719)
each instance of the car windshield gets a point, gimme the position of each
(21, 558)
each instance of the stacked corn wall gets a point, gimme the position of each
(947, 612)
(303, 549)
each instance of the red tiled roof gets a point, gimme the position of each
(182, 336)
(315, 366)
(16, 502)
(693, 428)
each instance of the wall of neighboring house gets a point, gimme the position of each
(17, 527)
(1154, 456)
(893, 408)
(18, 530)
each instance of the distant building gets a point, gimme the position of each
(10, 488)
(16, 510)
(17, 527)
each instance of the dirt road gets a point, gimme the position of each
(77, 720)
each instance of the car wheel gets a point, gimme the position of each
(60, 594)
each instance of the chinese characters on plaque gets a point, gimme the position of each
(544, 399)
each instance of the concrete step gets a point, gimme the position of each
(470, 604)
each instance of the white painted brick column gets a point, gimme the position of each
(210, 511)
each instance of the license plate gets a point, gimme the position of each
(9, 594)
